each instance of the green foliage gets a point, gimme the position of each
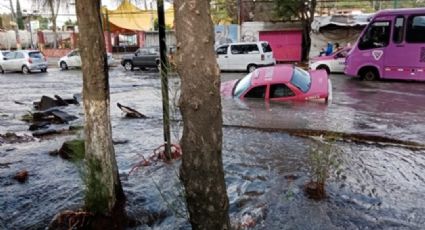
(69, 22)
(371, 5)
(156, 25)
(19, 19)
(27, 117)
(44, 23)
(75, 149)
(96, 194)
(324, 159)
(289, 10)
(224, 11)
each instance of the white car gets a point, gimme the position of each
(24, 60)
(73, 60)
(244, 56)
(334, 63)
(3, 53)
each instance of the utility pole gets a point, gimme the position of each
(164, 78)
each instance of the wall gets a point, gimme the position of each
(8, 39)
(226, 34)
(250, 30)
(152, 39)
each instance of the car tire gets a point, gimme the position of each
(370, 75)
(324, 67)
(63, 65)
(128, 66)
(251, 68)
(43, 70)
(1, 70)
(25, 70)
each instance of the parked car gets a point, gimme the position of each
(280, 83)
(142, 58)
(73, 60)
(334, 63)
(246, 56)
(24, 60)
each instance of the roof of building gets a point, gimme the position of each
(340, 20)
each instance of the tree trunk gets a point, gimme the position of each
(16, 29)
(200, 105)
(55, 33)
(306, 22)
(104, 193)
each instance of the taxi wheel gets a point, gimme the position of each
(324, 68)
(1, 70)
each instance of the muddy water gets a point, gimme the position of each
(380, 187)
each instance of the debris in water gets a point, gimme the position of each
(71, 220)
(130, 113)
(12, 138)
(54, 116)
(21, 176)
(158, 154)
(315, 190)
(39, 125)
(47, 102)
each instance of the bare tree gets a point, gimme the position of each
(14, 17)
(104, 193)
(52, 6)
(200, 104)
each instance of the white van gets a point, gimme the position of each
(244, 56)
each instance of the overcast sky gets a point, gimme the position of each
(69, 12)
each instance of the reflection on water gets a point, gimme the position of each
(379, 188)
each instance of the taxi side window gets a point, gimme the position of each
(256, 92)
(280, 90)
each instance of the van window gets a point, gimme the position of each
(377, 35)
(415, 29)
(398, 29)
(244, 49)
(266, 47)
(221, 50)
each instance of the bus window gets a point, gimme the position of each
(415, 29)
(377, 35)
(398, 29)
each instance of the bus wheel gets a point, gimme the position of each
(370, 75)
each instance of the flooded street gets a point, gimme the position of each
(379, 186)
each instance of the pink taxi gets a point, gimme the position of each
(281, 83)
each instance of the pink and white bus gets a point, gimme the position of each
(392, 46)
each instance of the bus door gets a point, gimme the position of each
(374, 42)
(402, 57)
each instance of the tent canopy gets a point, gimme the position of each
(128, 18)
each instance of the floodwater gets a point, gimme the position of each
(380, 186)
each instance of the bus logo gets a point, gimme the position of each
(377, 54)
